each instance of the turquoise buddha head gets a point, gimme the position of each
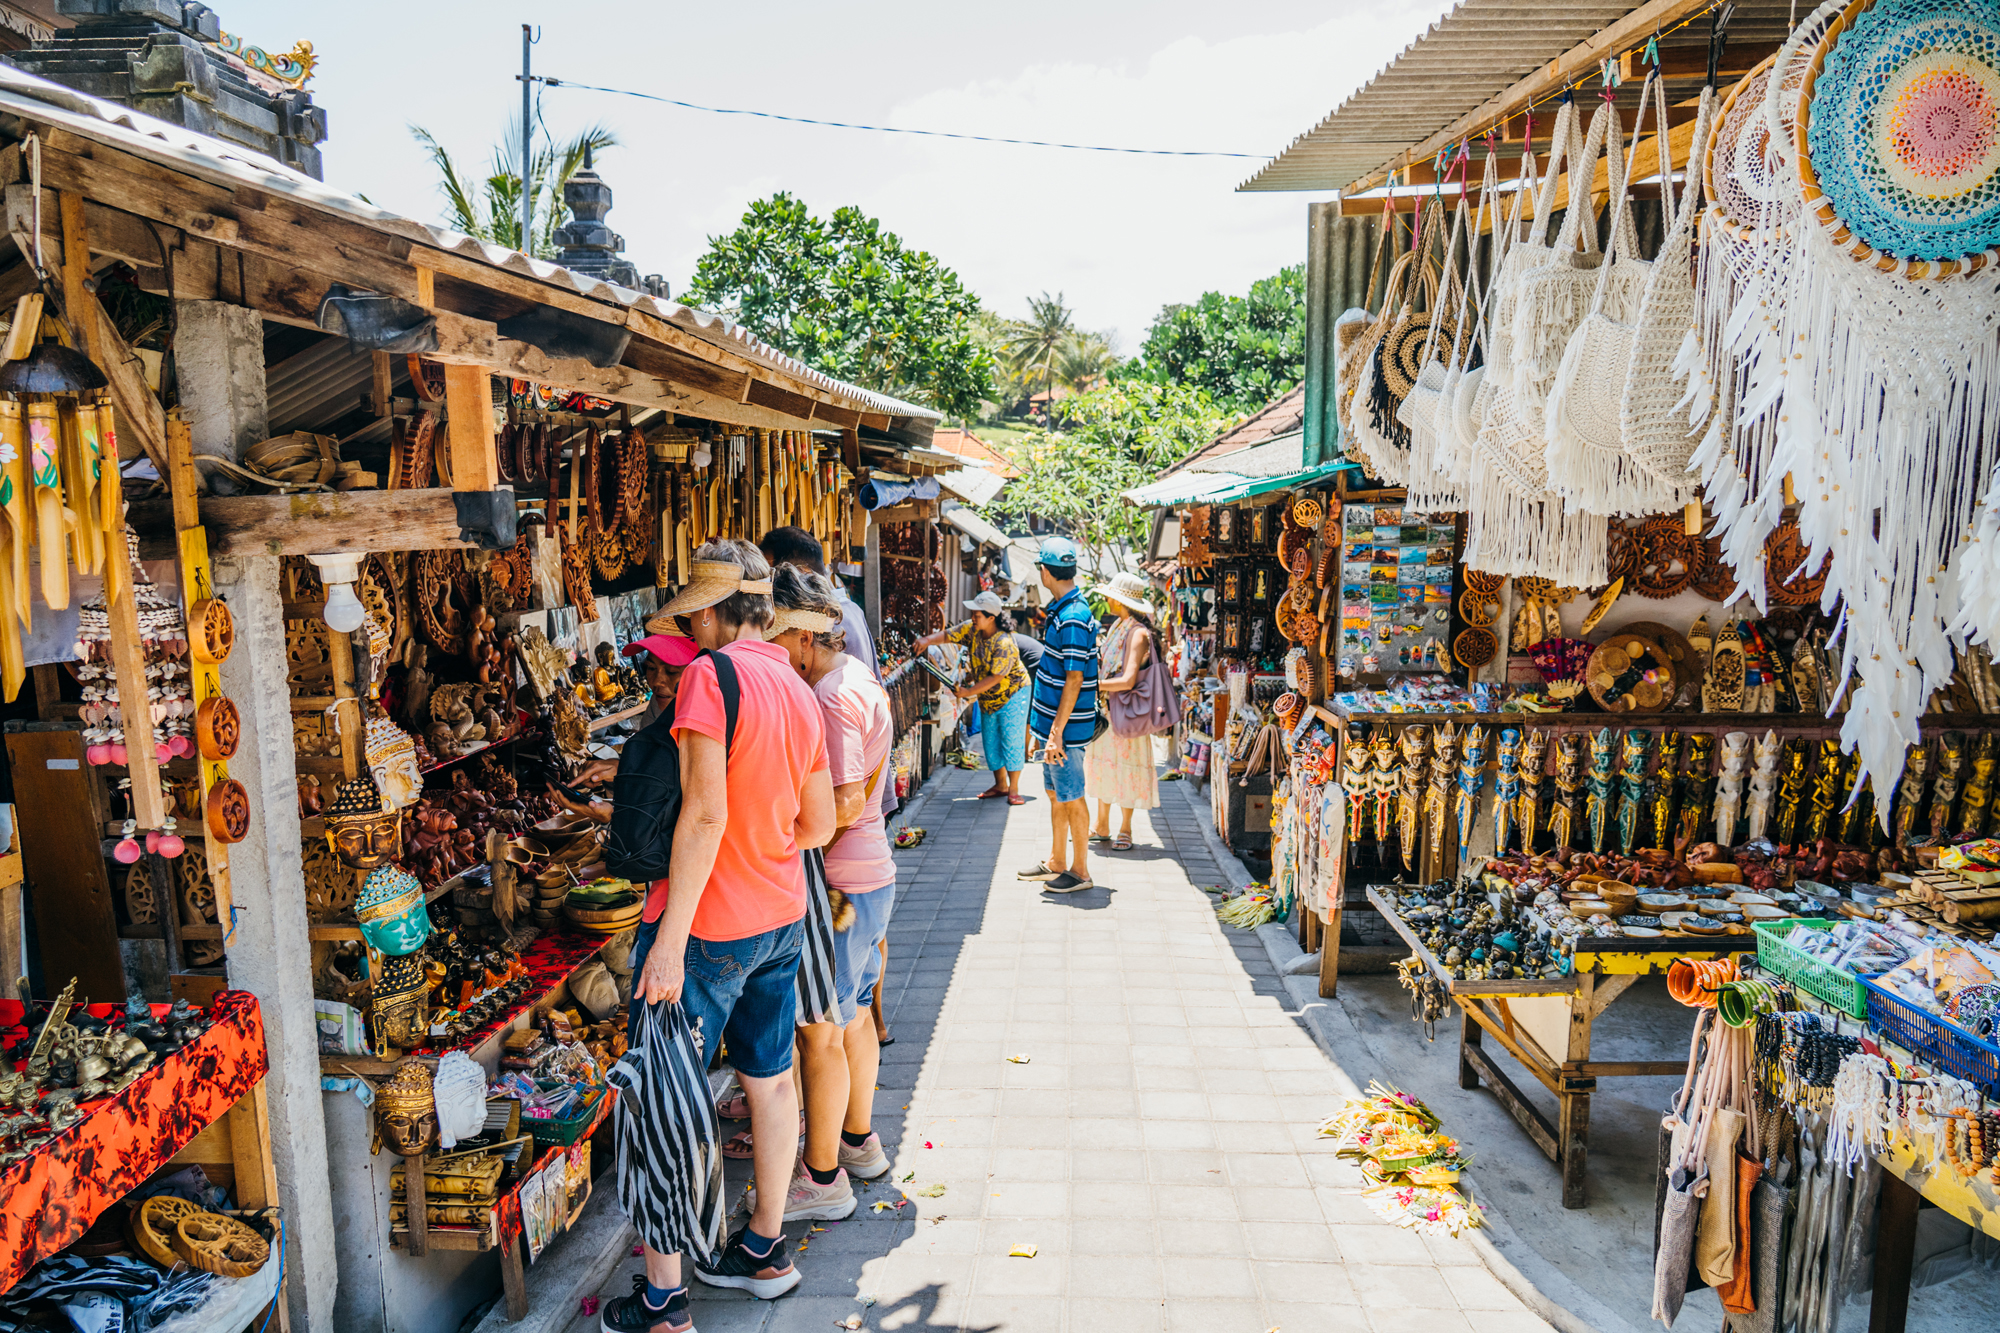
(392, 912)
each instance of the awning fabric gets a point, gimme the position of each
(977, 528)
(1221, 487)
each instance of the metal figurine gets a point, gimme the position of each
(1910, 794)
(1437, 800)
(1729, 786)
(1534, 787)
(1569, 788)
(1354, 778)
(1471, 778)
(1632, 786)
(1416, 744)
(1764, 783)
(1791, 789)
(1506, 786)
(1978, 789)
(1825, 791)
(1857, 809)
(1663, 787)
(1695, 789)
(1944, 793)
(1385, 778)
(1597, 805)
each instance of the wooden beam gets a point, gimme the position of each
(138, 410)
(246, 525)
(468, 405)
(1571, 65)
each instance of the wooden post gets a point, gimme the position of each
(1573, 1104)
(1895, 1255)
(468, 403)
(418, 1241)
(382, 379)
(205, 678)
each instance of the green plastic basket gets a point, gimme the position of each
(565, 1131)
(1776, 953)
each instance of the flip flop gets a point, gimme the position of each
(1017, 799)
(1099, 837)
(989, 795)
(1121, 843)
(738, 1147)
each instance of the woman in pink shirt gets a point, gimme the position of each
(721, 934)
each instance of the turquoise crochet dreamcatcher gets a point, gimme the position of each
(1899, 129)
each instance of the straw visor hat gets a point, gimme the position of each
(713, 581)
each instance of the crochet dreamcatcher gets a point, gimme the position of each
(1887, 306)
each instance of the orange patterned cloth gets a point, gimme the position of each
(50, 1199)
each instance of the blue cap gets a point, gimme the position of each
(1057, 551)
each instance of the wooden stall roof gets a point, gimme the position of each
(208, 220)
(1480, 66)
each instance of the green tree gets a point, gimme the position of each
(1084, 362)
(847, 297)
(1033, 344)
(1104, 442)
(1244, 350)
(489, 209)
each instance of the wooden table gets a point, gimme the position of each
(1535, 1018)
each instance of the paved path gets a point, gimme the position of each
(1159, 1149)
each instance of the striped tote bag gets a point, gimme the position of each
(669, 1159)
(818, 1002)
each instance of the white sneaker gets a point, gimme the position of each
(865, 1162)
(808, 1200)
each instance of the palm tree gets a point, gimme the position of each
(1084, 361)
(1033, 344)
(490, 209)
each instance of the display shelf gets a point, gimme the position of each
(612, 719)
(51, 1197)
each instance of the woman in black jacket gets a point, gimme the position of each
(667, 655)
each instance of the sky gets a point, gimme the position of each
(1119, 236)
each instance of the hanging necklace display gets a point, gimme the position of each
(1585, 455)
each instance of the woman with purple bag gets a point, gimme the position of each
(1118, 768)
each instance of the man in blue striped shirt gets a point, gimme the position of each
(1062, 715)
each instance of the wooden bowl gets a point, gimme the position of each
(561, 830)
(1622, 897)
(1620, 653)
(1687, 665)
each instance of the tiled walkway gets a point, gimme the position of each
(1157, 1148)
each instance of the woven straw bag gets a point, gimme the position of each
(1657, 428)
(1355, 334)
(1449, 340)
(1381, 438)
(1587, 463)
(1555, 296)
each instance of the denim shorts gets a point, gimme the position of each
(1066, 782)
(857, 951)
(744, 989)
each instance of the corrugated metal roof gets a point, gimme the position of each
(232, 166)
(1470, 56)
(1281, 416)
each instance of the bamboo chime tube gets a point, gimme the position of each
(17, 504)
(51, 527)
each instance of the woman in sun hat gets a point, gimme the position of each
(999, 680)
(1119, 770)
(721, 934)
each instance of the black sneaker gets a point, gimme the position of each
(633, 1315)
(767, 1278)
(1067, 884)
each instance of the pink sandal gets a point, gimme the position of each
(738, 1146)
(734, 1107)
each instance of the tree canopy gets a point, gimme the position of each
(1244, 350)
(1107, 441)
(848, 298)
(489, 208)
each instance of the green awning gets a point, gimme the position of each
(1202, 488)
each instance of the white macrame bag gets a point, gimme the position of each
(1430, 492)
(1585, 454)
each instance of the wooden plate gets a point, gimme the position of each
(218, 730)
(228, 811)
(1687, 663)
(1613, 658)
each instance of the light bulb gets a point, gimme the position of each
(344, 613)
(702, 457)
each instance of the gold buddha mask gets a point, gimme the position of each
(406, 1110)
(360, 828)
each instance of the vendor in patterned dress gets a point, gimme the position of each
(1119, 770)
(1000, 682)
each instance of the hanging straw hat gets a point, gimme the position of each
(713, 581)
(1129, 589)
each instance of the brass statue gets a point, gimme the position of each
(1506, 786)
(1944, 793)
(405, 1110)
(1910, 794)
(1597, 805)
(1696, 789)
(1857, 808)
(1663, 788)
(1534, 785)
(1825, 791)
(1791, 789)
(1631, 786)
(1563, 821)
(1471, 778)
(1437, 800)
(1978, 795)
(360, 827)
(1416, 744)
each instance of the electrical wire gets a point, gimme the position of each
(888, 129)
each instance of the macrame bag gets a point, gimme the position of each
(1585, 454)
(1442, 347)
(1466, 396)
(1656, 429)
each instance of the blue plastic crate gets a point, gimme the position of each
(1934, 1038)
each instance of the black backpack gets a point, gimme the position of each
(646, 794)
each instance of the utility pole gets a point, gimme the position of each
(527, 195)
